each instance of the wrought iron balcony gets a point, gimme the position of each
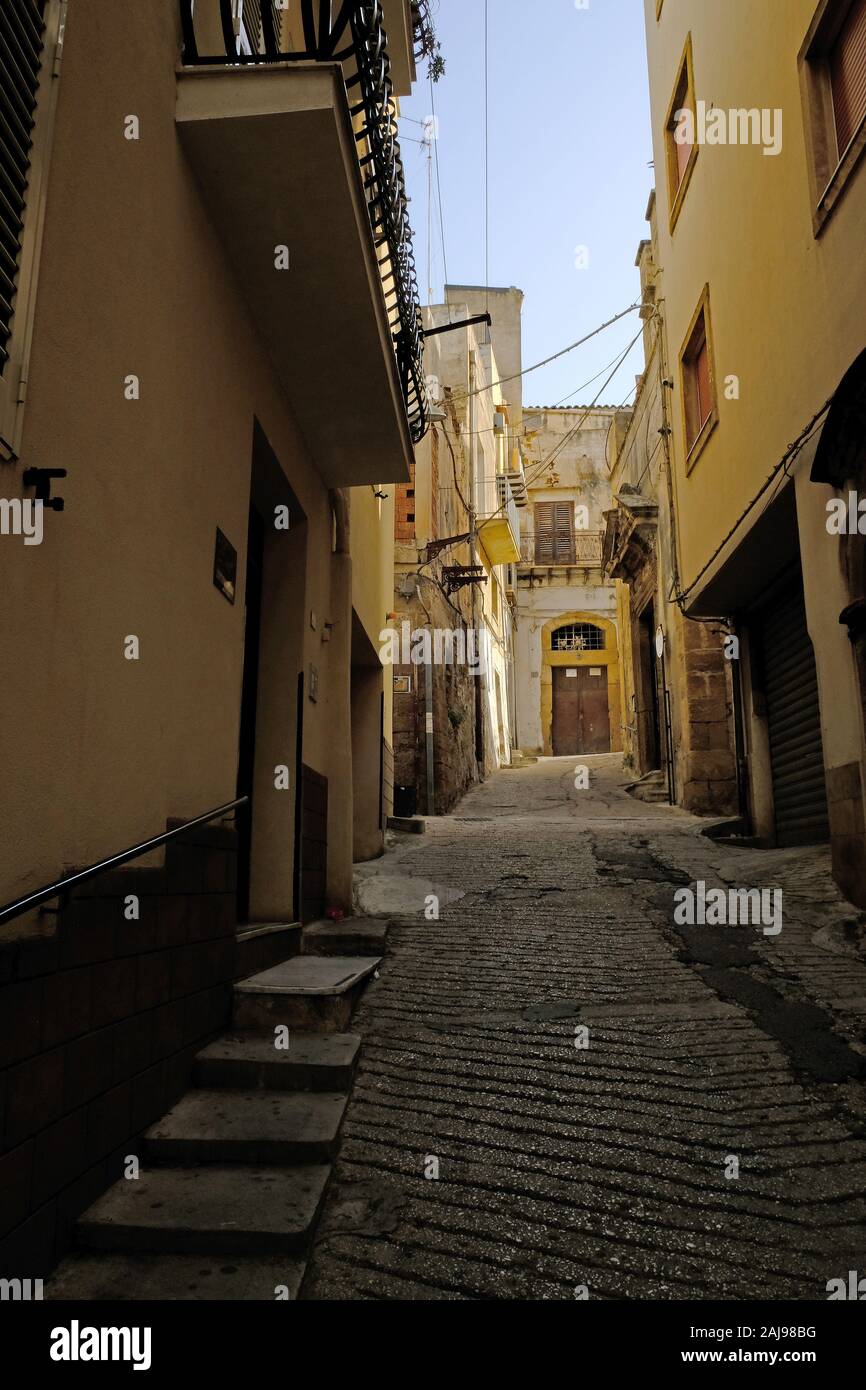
(353, 36)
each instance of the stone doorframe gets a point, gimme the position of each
(609, 658)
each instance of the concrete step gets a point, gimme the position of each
(266, 1127)
(408, 825)
(251, 1062)
(357, 936)
(208, 1211)
(106, 1277)
(313, 994)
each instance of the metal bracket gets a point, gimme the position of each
(40, 479)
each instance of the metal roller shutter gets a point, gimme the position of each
(793, 714)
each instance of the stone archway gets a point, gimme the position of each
(607, 658)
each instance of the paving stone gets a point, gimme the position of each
(487, 1153)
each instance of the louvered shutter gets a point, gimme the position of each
(544, 538)
(564, 533)
(848, 75)
(21, 44)
(702, 380)
(554, 533)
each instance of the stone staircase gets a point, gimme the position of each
(233, 1179)
(652, 788)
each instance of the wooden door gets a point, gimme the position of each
(581, 714)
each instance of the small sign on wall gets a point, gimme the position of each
(572, 675)
(403, 685)
(595, 671)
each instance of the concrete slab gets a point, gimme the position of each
(208, 1211)
(250, 1061)
(315, 994)
(110, 1278)
(310, 975)
(382, 890)
(248, 1127)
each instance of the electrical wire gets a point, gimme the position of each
(791, 453)
(438, 179)
(503, 381)
(551, 458)
(487, 155)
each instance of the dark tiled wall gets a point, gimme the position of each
(100, 1019)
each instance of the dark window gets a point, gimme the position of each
(21, 41)
(698, 389)
(579, 637)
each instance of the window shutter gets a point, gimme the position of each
(702, 383)
(848, 75)
(684, 150)
(564, 533)
(544, 537)
(554, 533)
(21, 43)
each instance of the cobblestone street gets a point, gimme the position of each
(604, 1168)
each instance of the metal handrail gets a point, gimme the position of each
(355, 38)
(63, 885)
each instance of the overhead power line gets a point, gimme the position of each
(502, 381)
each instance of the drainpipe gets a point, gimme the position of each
(473, 555)
(428, 724)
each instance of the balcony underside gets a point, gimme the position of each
(275, 155)
(583, 572)
(499, 541)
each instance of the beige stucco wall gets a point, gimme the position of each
(787, 313)
(787, 308)
(98, 751)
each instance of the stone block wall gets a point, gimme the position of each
(707, 765)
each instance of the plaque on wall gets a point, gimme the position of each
(225, 566)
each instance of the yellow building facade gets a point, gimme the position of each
(761, 213)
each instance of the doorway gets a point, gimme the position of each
(648, 720)
(271, 711)
(581, 711)
(249, 704)
(794, 722)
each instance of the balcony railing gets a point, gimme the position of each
(355, 38)
(584, 552)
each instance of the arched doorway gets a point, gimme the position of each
(580, 699)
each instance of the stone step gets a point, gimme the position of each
(408, 825)
(107, 1277)
(247, 1127)
(357, 936)
(311, 993)
(251, 1062)
(208, 1211)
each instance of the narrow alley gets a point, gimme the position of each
(567, 1171)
